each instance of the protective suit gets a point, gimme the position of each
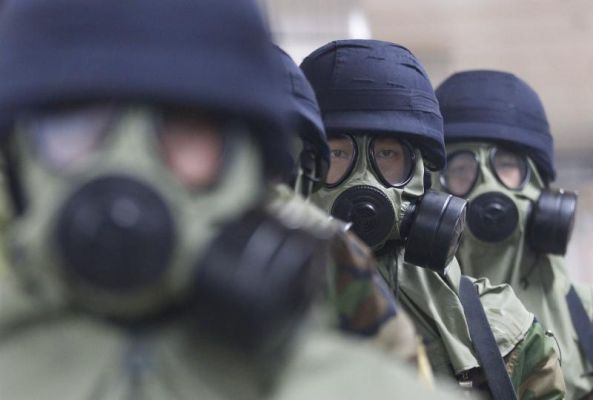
(134, 271)
(309, 154)
(363, 303)
(518, 228)
(385, 135)
(99, 360)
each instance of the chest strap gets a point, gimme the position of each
(581, 323)
(488, 354)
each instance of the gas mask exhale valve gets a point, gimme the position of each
(370, 212)
(116, 233)
(492, 217)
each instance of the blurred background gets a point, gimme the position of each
(548, 43)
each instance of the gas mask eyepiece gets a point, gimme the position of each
(370, 212)
(551, 221)
(116, 234)
(435, 230)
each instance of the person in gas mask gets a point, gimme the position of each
(365, 307)
(385, 136)
(309, 153)
(143, 262)
(500, 158)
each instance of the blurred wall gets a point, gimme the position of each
(548, 43)
(302, 26)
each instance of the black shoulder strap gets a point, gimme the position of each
(489, 357)
(581, 323)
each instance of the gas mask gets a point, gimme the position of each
(376, 183)
(509, 203)
(123, 203)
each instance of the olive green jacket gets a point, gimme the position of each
(66, 355)
(541, 283)
(433, 303)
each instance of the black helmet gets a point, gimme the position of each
(304, 107)
(499, 107)
(380, 87)
(211, 54)
(306, 118)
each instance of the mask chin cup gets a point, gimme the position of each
(255, 283)
(551, 221)
(435, 230)
(492, 217)
(370, 212)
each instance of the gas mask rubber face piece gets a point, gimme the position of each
(376, 183)
(122, 203)
(509, 208)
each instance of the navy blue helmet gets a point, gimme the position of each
(498, 107)
(371, 86)
(215, 55)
